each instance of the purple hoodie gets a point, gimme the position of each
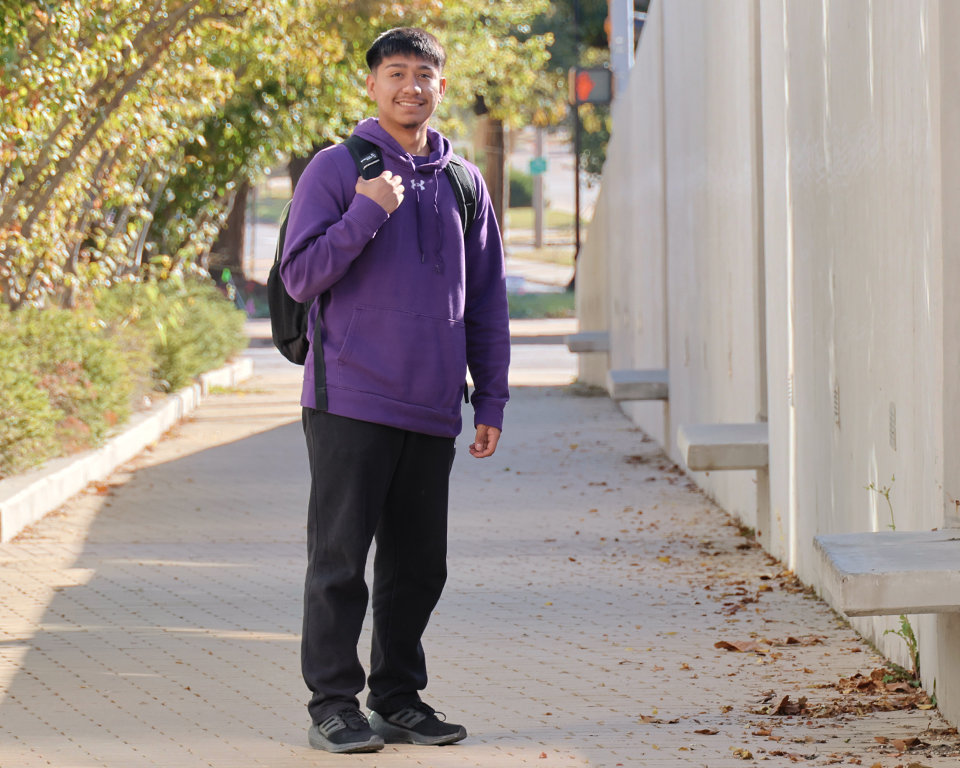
(406, 304)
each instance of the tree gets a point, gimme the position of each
(128, 130)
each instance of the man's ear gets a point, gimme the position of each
(371, 92)
(443, 86)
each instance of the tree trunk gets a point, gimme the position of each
(299, 163)
(494, 167)
(227, 251)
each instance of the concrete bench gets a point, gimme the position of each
(712, 447)
(891, 572)
(638, 385)
(589, 341)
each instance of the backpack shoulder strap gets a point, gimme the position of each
(464, 189)
(366, 155)
(278, 254)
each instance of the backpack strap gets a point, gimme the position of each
(366, 155)
(465, 191)
(368, 158)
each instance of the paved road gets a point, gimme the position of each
(155, 620)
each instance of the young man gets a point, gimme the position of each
(406, 303)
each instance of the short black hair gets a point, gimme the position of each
(406, 41)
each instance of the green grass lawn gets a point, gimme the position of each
(529, 306)
(551, 254)
(522, 218)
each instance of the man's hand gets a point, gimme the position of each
(486, 442)
(386, 190)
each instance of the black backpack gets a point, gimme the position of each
(288, 318)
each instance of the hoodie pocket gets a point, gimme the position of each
(404, 356)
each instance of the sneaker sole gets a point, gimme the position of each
(318, 741)
(394, 734)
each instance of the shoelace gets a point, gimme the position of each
(353, 718)
(428, 710)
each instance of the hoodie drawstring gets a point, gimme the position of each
(438, 218)
(440, 153)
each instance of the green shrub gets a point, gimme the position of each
(68, 376)
(191, 326)
(26, 418)
(521, 189)
(82, 370)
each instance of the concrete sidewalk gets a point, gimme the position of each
(155, 620)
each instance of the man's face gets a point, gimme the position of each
(407, 90)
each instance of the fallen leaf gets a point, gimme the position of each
(762, 732)
(880, 739)
(805, 640)
(708, 731)
(743, 754)
(543, 755)
(783, 706)
(900, 687)
(664, 559)
(741, 646)
(648, 719)
(657, 669)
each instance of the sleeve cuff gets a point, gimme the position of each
(488, 413)
(368, 214)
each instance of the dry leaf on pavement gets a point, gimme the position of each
(742, 646)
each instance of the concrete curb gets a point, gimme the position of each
(26, 498)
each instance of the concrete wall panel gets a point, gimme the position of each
(712, 177)
(855, 279)
(778, 227)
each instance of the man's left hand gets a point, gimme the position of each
(486, 442)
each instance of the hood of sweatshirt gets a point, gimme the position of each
(424, 186)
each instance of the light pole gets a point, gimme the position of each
(576, 134)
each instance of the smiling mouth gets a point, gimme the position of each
(410, 103)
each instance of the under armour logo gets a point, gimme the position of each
(414, 184)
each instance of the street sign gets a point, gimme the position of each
(590, 86)
(538, 165)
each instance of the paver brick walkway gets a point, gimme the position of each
(155, 620)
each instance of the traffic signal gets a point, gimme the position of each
(592, 85)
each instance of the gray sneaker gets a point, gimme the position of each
(346, 731)
(416, 724)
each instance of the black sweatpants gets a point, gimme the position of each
(371, 479)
